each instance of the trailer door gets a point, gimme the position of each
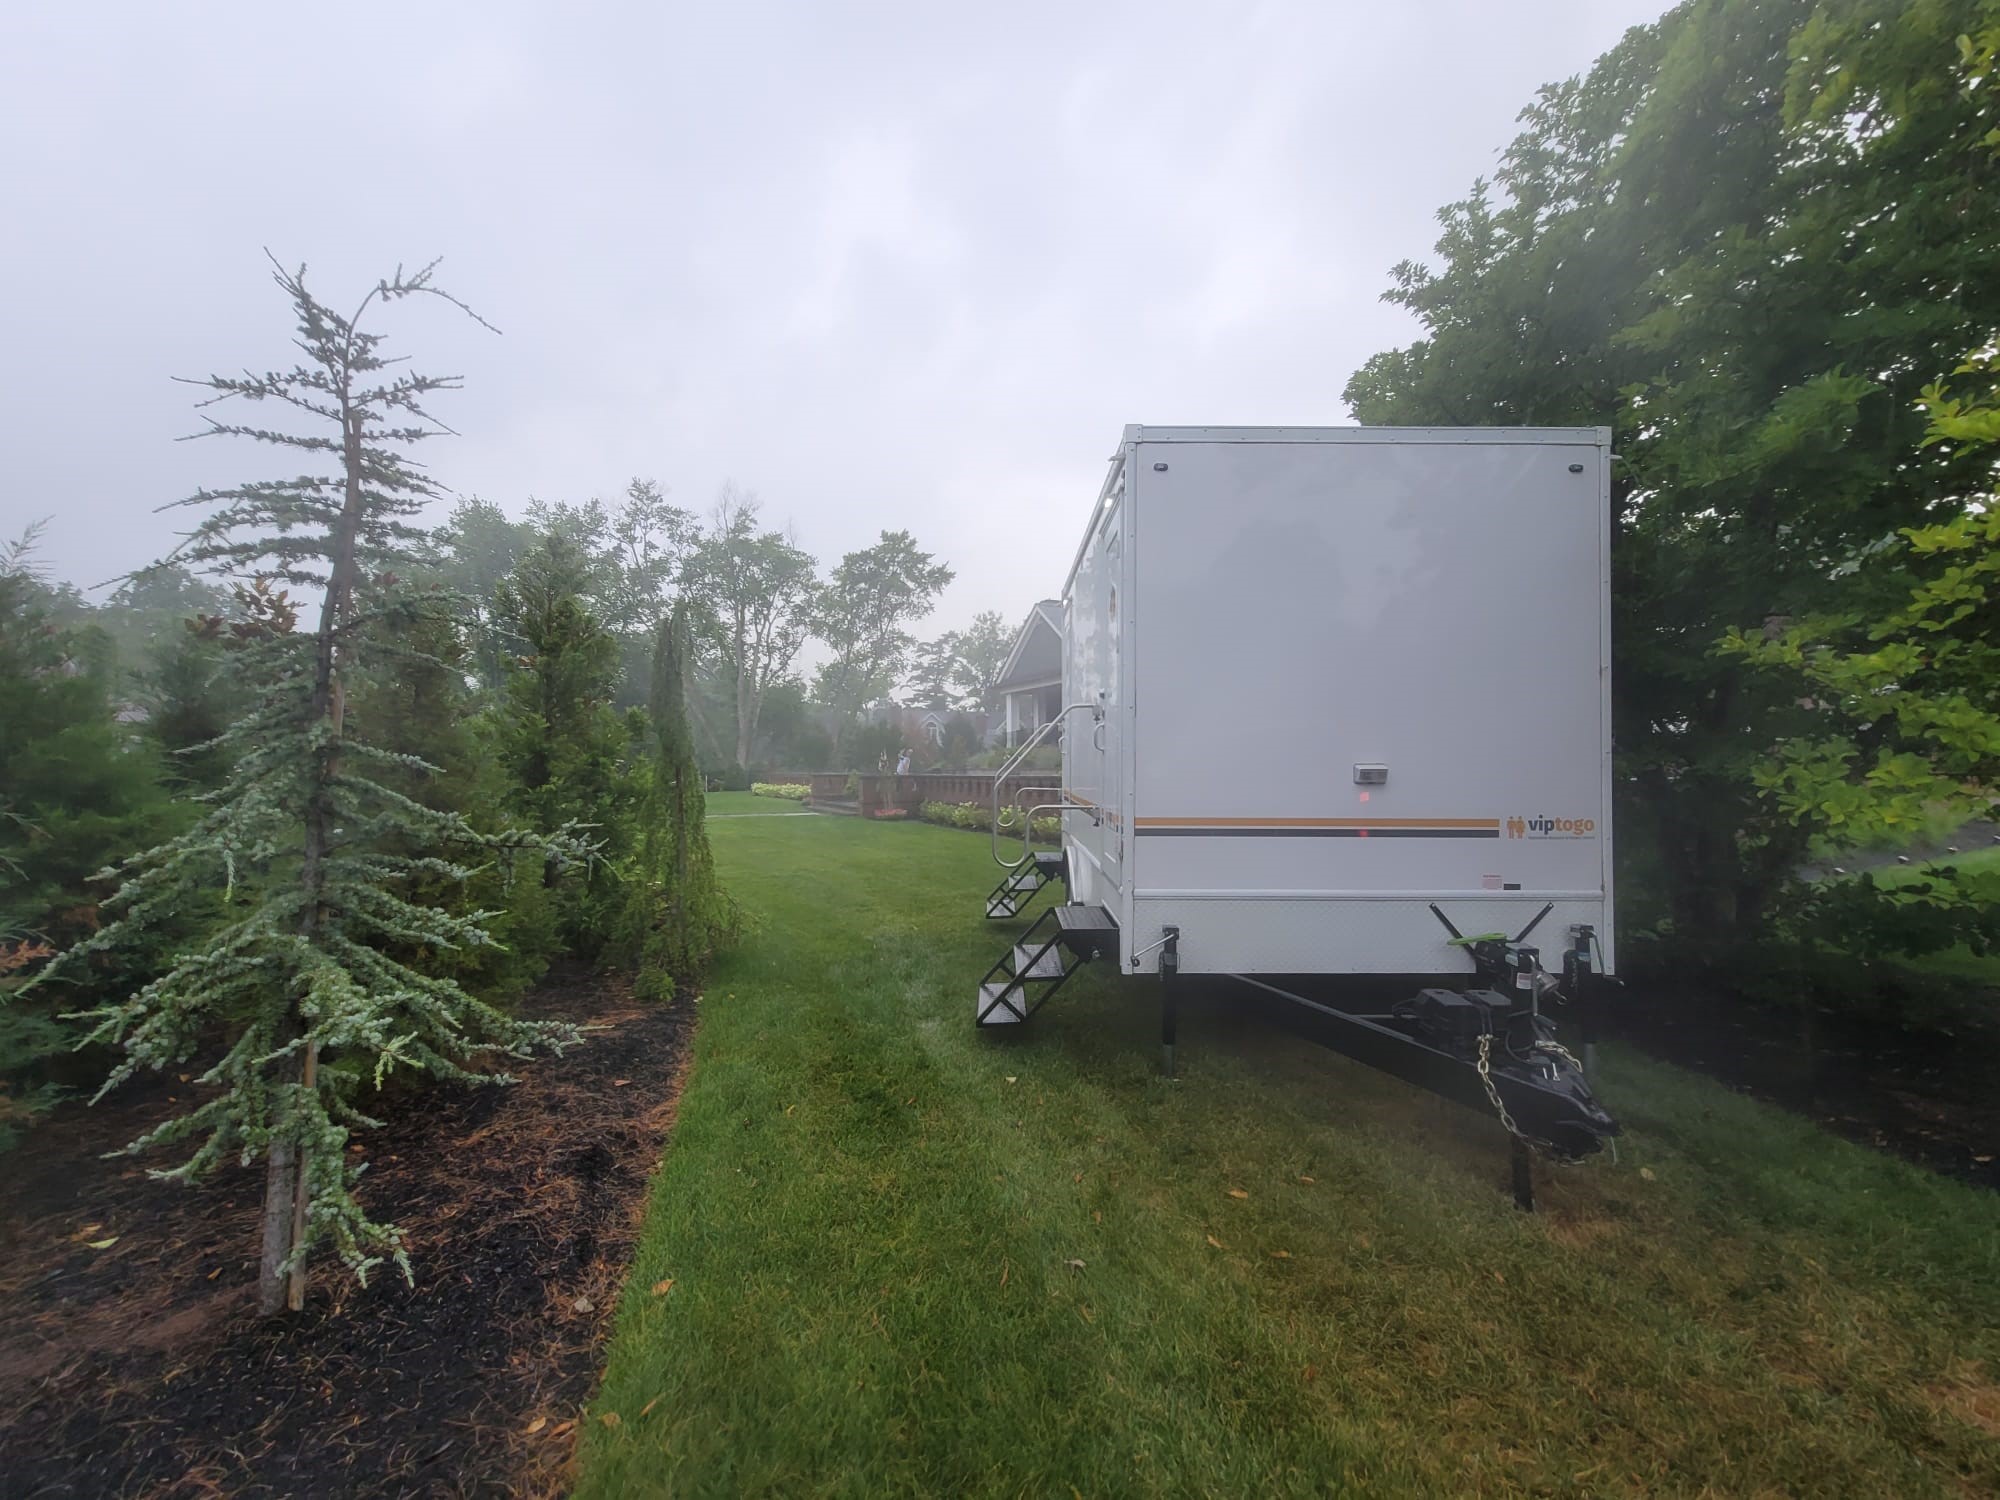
(1093, 739)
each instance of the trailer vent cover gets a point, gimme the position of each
(1370, 775)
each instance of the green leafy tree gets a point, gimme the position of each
(1742, 240)
(315, 847)
(753, 591)
(677, 917)
(862, 615)
(1901, 704)
(955, 670)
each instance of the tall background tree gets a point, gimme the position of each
(753, 591)
(1745, 240)
(863, 613)
(955, 670)
(477, 547)
(303, 980)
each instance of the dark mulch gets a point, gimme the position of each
(141, 1369)
(1926, 1093)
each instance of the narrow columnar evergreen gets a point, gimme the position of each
(679, 916)
(319, 851)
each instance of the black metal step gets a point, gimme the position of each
(1075, 916)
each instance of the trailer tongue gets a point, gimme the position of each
(1325, 689)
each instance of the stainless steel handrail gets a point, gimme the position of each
(1000, 776)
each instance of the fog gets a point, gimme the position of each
(888, 266)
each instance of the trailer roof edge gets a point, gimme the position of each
(1589, 436)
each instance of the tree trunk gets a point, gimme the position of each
(285, 1211)
(281, 1179)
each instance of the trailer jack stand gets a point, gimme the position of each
(1170, 968)
(1524, 1174)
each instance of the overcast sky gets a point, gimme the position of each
(907, 265)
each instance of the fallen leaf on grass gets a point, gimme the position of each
(1097, 1216)
(1982, 1160)
(1216, 1242)
(1312, 1372)
(536, 1426)
(1281, 1255)
(561, 1427)
(661, 1288)
(619, 1083)
(647, 1409)
(584, 1304)
(1074, 1265)
(104, 1244)
(88, 1229)
(1238, 1193)
(1010, 1079)
(1083, 1310)
(1647, 1173)
(1304, 1178)
(610, 1419)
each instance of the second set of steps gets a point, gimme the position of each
(1020, 885)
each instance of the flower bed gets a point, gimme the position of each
(786, 790)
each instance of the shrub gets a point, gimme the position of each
(790, 791)
(972, 815)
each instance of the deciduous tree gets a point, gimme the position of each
(862, 615)
(754, 591)
(1744, 240)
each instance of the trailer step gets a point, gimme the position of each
(1042, 962)
(1020, 885)
(1000, 1005)
(1029, 971)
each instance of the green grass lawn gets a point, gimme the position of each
(909, 1258)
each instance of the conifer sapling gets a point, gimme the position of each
(319, 853)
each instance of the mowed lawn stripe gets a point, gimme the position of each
(872, 1236)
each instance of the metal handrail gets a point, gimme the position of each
(1000, 776)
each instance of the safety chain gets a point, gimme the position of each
(1492, 1093)
(1559, 1050)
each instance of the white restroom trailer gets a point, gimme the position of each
(1335, 700)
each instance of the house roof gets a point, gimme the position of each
(1036, 657)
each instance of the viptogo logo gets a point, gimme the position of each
(1542, 827)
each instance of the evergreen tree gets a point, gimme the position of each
(563, 746)
(77, 790)
(677, 916)
(314, 845)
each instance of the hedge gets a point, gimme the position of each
(972, 815)
(790, 792)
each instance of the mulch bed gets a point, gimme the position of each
(1925, 1094)
(142, 1369)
